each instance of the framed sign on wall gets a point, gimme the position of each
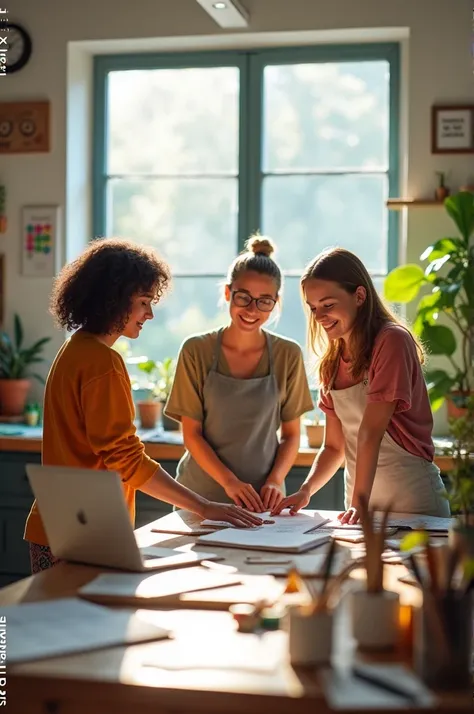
(452, 129)
(24, 127)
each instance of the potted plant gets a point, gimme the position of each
(314, 432)
(149, 409)
(442, 191)
(449, 276)
(375, 611)
(461, 479)
(15, 363)
(160, 380)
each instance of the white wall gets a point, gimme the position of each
(437, 67)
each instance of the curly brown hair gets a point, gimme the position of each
(95, 291)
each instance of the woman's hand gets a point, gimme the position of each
(297, 500)
(349, 517)
(271, 496)
(244, 494)
(231, 514)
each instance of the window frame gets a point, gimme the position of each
(251, 64)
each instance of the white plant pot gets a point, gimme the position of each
(375, 618)
(310, 637)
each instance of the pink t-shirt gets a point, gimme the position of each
(395, 375)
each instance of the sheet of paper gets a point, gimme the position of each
(160, 585)
(250, 653)
(344, 691)
(307, 565)
(417, 521)
(281, 536)
(301, 522)
(61, 627)
(180, 523)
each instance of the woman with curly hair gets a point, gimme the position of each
(106, 293)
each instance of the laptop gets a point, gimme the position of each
(86, 520)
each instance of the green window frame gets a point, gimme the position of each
(251, 64)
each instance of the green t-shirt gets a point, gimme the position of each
(195, 361)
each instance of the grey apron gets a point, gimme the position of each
(410, 483)
(241, 420)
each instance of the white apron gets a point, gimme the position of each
(409, 483)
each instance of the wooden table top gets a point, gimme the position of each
(148, 678)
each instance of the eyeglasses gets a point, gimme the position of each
(241, 299)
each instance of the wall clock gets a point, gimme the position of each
(19, 47)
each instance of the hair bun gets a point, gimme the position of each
(260, 245)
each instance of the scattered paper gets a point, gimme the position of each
(161, 585)
(301, 522)
(66, 626)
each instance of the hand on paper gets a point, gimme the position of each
(231, 514)
(271, 496)
(244, 494)
(351, 516)
(295, 502)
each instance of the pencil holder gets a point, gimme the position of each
(310, 637)
(375, 618)
(444, 640)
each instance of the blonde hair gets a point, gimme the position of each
(340, 266)
(257, 257)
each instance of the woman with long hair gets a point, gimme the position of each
(378, 416)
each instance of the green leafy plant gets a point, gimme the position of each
(160, 375)
(449, 275)
(461, 476)
(15, 359)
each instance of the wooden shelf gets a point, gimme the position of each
(396, 204)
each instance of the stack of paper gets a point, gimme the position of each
(286, 533)
(67, 626)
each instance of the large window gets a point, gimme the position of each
(195, 152)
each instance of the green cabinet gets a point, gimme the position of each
(16, 499)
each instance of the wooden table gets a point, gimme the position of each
(126, 680)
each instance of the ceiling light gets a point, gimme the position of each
(235, 14)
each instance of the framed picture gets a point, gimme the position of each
(452, 130)
(39, 241)
(24, 127)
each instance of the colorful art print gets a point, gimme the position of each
(24, 127)
(39, 241)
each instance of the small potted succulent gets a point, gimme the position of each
(442, 191)
(314, 432)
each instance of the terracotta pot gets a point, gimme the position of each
(455, 404)
(441, 193)
(149, 413)
(13, 394)
(315, 435)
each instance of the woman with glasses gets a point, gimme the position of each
(235, 387)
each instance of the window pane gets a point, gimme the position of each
(173, 121)
(305, 214)
(191, 222)
(192, 306)
(326, 115)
